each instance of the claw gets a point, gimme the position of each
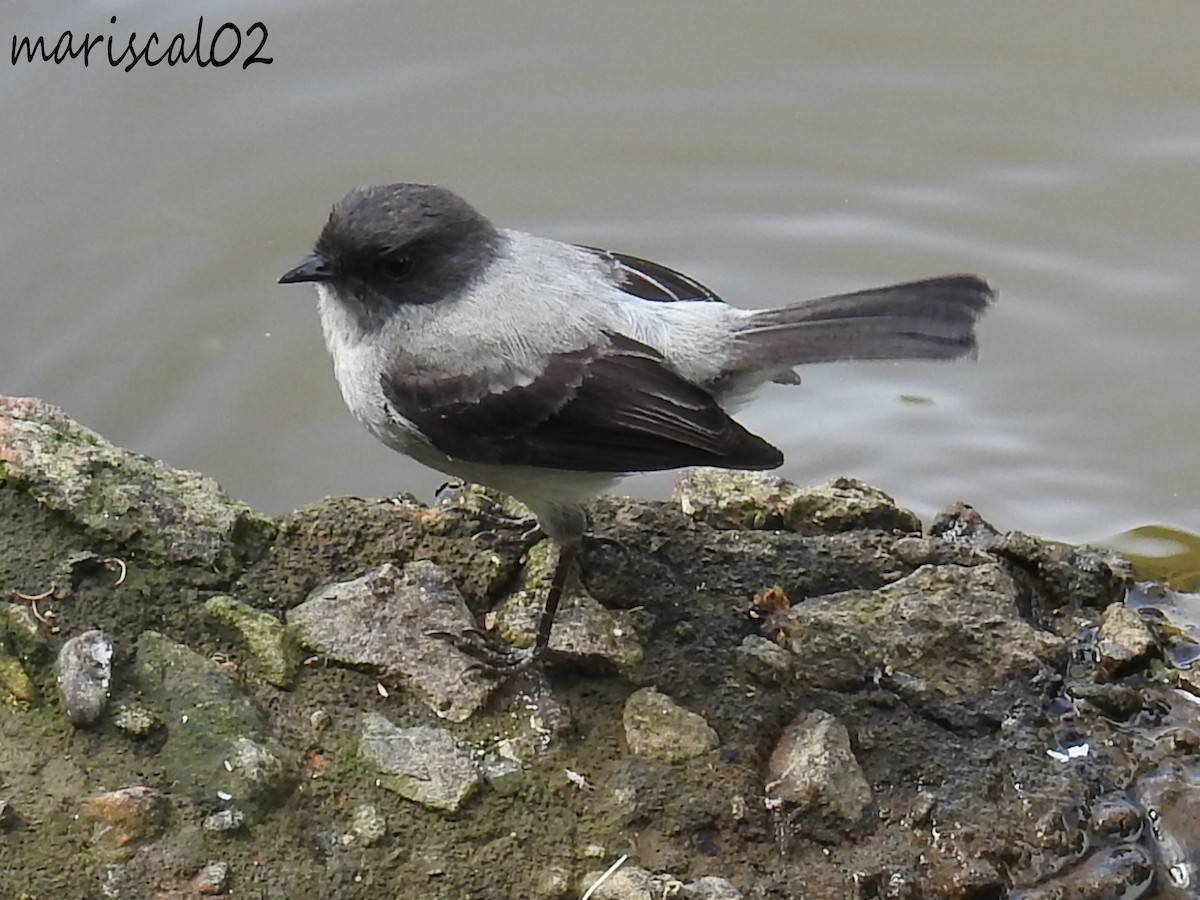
(605, 541)
(497, 659)
(490, 656)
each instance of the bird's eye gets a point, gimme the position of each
(397, 267)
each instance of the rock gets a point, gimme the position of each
(422, 763)
(1123, 643)
(710, 887)
(367, 824)
(583, 629)
(757, 500)
(129, 814)
(319, 720)
(212, 879)
(505, 776)
(383, 620)
(554, 883)
(1123, 871)
(656, 727)
(957, 629)
(765, 660)
(134, 719)
(630, 883)
(1114, 816)
(272, 645)
(953, 678)
(84, 674)
(1053, 575)
(217, 740)
(812, 770)
(229, 819)
(21, 643)
(125, 499)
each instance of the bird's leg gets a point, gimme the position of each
(498, 659)
(568, 554)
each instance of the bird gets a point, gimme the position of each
(548, 370)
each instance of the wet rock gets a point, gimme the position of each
(272, 645)
(656, 727)
(1052, 575)
(765, 660)
(212, 879)
(217, 739)
(1120, 702)
(917, 550)
(813, 774)
(422, 763)
(21, 643)
(956, 628)
(583, 629)
(367, 825)
(1123, 643)
(968, 719)
(384, 619)
(1114, 816)
(1122, 871)
(129, 814)
(84, 674)
(757, 500)
(134, 719)
(1169, 797)
(121, 498)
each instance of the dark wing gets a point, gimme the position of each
(611, 407)
(652, 281)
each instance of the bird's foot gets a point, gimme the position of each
(491, 656)
(591, 540)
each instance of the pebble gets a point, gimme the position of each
(133, 719)
(656, 727)
(423, 763)
(225, 820)
(367, 824)
(813, 768)
(212, 879)
(130, 813)
(84, 673)
(383, 621)
(1123, 642)
(765, 660)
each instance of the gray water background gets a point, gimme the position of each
(773, 150)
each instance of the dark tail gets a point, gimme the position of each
(931, 319)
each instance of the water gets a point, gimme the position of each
(773, 150)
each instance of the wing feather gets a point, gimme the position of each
(649, 280)
(614, 406)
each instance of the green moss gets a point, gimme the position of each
(273, 646)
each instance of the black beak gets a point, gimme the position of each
(311, 268)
